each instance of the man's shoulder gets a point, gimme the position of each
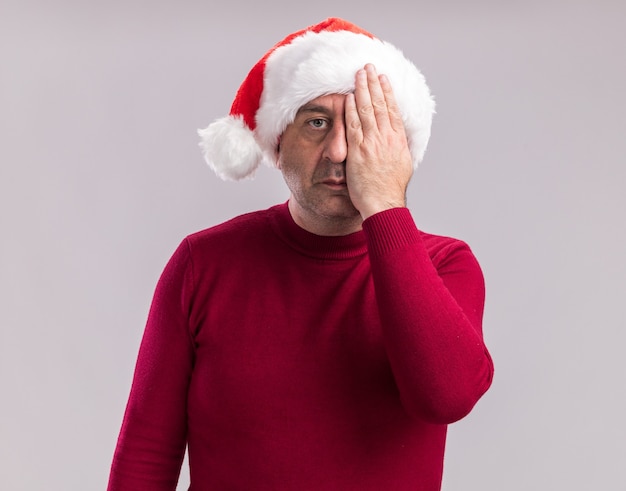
(440, 247)
(245, 227)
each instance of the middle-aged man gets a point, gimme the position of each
(324, 343)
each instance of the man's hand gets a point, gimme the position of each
(379, 164)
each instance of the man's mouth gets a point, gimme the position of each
(335, 184)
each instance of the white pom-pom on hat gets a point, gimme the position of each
(230, 149)
(319, 60)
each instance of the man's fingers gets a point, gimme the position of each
(363, 101)
(395, 116)
(372, 113)
(352, 120)
(372, 99)
(377, 97)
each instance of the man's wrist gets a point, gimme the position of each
(371, 209)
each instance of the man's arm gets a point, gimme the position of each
(431, 314)
(152, 440)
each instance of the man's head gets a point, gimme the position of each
(317, 61)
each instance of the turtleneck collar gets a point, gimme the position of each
(309, 244)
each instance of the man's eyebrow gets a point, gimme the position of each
(312, 108)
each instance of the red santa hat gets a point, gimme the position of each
(319, 60)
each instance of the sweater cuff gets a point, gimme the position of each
(390, 230)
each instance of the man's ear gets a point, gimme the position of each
(278, 153)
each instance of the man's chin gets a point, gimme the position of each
(333, 205)
(340, 207)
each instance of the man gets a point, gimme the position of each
(325, 343)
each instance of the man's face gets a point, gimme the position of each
(312, 158)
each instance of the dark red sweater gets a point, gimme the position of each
(290, 361)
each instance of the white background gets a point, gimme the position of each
(101, 177)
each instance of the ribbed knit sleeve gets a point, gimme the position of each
(152, 440)
(431, 306)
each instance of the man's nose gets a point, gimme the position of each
(336, 145)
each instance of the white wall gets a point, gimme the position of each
(101, 177)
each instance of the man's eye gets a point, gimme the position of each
(318, 123)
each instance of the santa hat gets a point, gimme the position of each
(319, 60)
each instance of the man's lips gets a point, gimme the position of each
(335, 184)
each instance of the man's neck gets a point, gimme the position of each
(325, 226)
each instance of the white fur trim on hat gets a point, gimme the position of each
(317, 64)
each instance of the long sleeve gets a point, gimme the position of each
(431, 312)
(152, 439)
